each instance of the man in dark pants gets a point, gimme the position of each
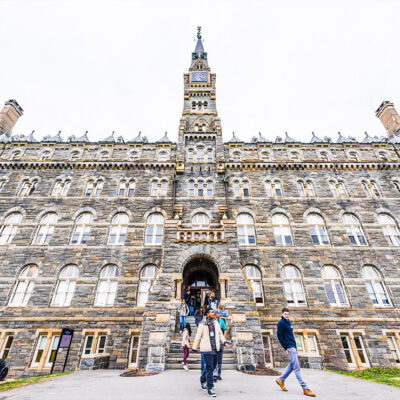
(210, 339)
(288, 342)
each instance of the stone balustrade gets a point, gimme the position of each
(201, 235)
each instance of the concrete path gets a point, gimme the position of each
(176, 385)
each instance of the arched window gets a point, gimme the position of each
(94, 188)
(10, 227)
(3, 181)
(396, 184)
(253, 275)
(82, 227)
(190, 156)
(147, 275)
(294, 156)
(104, 155)
(209, 155)
(236, 156)
(273, 189)
(46, 155)
(27, 188)
(245, 229)
(354, 230)
(324, 156)
(191, 188)
(265, 156)
(163, 188)
(293, 286)
(107, 286)
(45, 229)
(200, 188)
(200, 155)
(163, 156)
(246, 189)
(375, 286)
(382, 155)
(353, 156)
(126, 188)
(119, 229)
(61, 188)
(334, 286)
(74, 156)
(390, 229)
(338, 189)
(371, 189)
(16, 155)
(154, 188)
(282, 231)
(159, 188)
(236, 188)
(134, 155)
(24, 286)
(200, 220)
(193, 105)
(209, 189)
(306, 188)
(205, 105)
(65, 286)
(154, 229)
(317, 229)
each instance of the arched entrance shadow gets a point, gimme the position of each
(199, 275)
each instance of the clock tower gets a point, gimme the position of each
(200, 121)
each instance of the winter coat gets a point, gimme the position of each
(183, 310)
(185, 338)
(203, 337)
(198, 316)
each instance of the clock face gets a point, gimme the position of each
(200, 76)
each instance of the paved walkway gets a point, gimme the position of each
(176, 385)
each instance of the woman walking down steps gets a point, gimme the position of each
(187, 332)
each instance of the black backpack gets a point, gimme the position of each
(3, 370)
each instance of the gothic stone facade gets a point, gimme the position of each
(255, 201)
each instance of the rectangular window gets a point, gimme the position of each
(40, 348)
(5, 349)
(266, 336)
(306, 343)
(134, 351)
(51, 354)
(347, 350)
(394, 350)
(88, 344)
(101, 344)
(354, 350)
(95, 343)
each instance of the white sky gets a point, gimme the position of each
(296, 66)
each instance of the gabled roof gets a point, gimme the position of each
(164, 139)
(57, 138)
(235, 139)
(139, 138)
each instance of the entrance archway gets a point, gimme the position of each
(200, 275)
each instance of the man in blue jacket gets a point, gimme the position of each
(288, 342)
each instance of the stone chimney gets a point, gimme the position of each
(388, 116)
(9, 116)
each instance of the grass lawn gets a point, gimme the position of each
(27, 381)
(383, 375)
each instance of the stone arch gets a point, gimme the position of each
(204, 251)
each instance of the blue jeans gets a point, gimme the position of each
(217, 370)
(182, 322)
(210, 361)
(293, 366)
(203, 365)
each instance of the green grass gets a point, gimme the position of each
(383, 375)
(28, 381)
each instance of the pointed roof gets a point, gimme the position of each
(289, 139)
(83, 138)
(262, 139)
(235, 139)
(139, 138)
(57, 138)
(199, 50)
(164, 139)
(315, 138)
(109, 138)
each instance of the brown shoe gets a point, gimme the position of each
(281, 384)
(308, 392)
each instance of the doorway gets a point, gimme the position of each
(200, 276)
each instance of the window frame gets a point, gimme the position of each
(246, 231)
(333, 281)
(352, 228)
(45, 231)
(71, 287)
(145, 282)
(279, 230)
(255, 281)
(155, 230)
(112, 287)
(292, 285)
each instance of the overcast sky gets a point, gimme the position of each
(296, 66)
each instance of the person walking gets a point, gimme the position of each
(191, 306)
(187, 332)
(198, 301)
(183, 311)
(288, 342)
(218, 368)
(209, 338)
(199, 315)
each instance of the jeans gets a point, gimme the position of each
(217, 370)
(191, 308)
(185, 354)
(293, 366)
(182, 322)
(203, 365)
(210, 361)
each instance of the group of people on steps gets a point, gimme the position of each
(211, 340)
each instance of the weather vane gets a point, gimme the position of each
(199, 32)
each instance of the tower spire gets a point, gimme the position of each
(199, 52)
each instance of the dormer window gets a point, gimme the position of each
(163, 156)
(236, 156)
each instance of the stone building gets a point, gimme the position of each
(104, 237)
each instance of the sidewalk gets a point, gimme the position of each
(176, 385)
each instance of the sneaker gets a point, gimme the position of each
(185, 367)
(204, 385)
(211, 392)
(308, 392)
(219, 378)
(281, 384)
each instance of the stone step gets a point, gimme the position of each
(198, 366)
(173, 360)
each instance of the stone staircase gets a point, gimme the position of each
(175, 356)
